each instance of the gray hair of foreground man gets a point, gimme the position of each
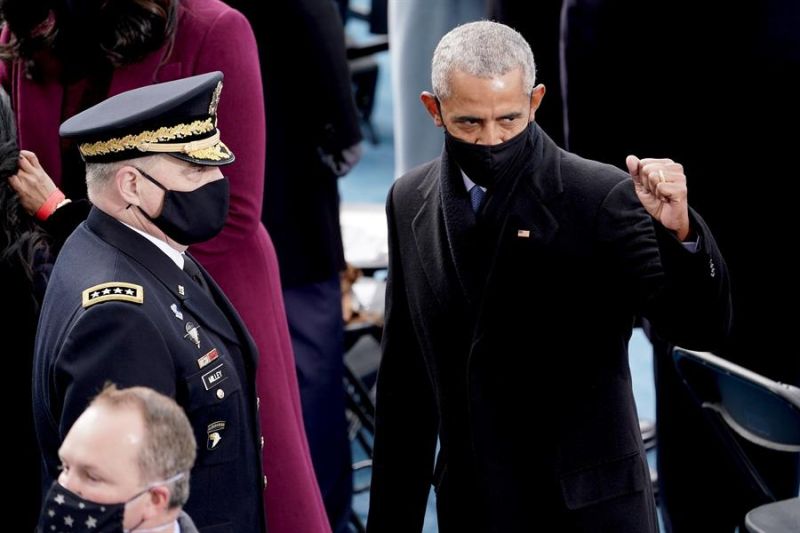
(169, 445)
(484, 49)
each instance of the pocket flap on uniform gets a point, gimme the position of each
(603, 482)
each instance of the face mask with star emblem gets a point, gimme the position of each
(63, 510)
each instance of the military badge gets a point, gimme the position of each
(208, 358)
(113, 291)
(174, 309)
(214, 377)
(193, 333)
(214, 432)
(212, 107)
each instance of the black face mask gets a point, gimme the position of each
(189, 217)
(486, 165)
(67, 511)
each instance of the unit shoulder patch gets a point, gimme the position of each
(116, 291)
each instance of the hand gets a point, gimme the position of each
(341, 162)
(31, 182)
(661, 187)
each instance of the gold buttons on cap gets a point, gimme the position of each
(220, 394)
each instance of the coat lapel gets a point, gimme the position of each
(441, 226)
(523, 209)
(460, 225)
(431, 238)
(221, 303)
(183, 288)
(524, 214)
(204, 306)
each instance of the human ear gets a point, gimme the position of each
(157, 502)
(537, 94)
(126, 182)
(431, 104)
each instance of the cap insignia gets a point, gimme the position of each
(212, 108)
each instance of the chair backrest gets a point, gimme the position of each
(758, 409)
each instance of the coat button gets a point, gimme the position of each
(220, 394)
(262, 442)
(258, 403)
(265, 482)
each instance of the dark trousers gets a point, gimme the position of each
(315, 323)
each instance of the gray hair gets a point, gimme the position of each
(99, 174)
(169, 446)
(484, 49)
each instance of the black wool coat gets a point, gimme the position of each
(506, 338)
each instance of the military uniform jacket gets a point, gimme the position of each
(513, 352)
(118, 309)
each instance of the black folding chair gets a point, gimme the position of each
(746, 405)
(362, 339)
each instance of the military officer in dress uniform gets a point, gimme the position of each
(126, 304)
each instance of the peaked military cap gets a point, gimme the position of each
(177, 118)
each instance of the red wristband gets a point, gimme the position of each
(49, 205)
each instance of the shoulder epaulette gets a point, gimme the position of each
(117, 291)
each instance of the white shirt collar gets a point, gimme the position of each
(468, 183)
(172, 253)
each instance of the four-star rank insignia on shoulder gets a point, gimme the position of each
(117, 291)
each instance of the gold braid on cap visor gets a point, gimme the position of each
(211, 148)
(146, 140)
(217, 152)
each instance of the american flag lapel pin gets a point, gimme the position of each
(523, 233)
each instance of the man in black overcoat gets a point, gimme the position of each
(516, 271)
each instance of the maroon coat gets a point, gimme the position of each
(212, 36)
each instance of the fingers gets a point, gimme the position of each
(29, 204)
(632, 162)
(32, 175)
(27, 154)
(26, 163)
(655, 173)
(14, 181)
(31, 182)
(670, 192)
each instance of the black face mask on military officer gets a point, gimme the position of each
(189, 217)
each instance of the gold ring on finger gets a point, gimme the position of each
(661, 178)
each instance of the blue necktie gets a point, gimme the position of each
(475, 197)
